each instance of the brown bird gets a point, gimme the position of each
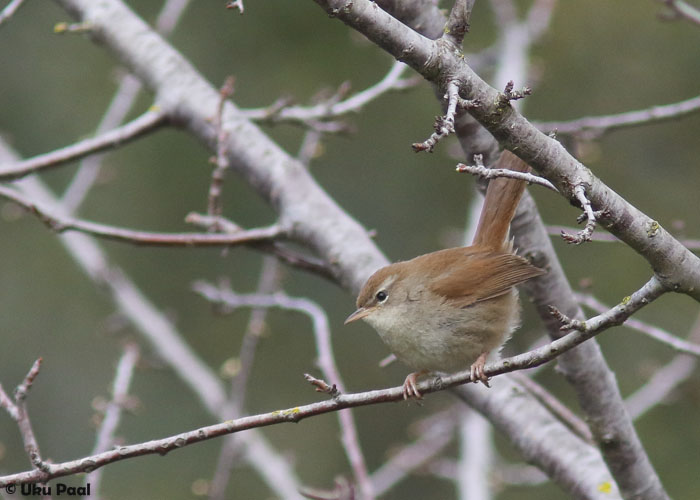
(447, 310)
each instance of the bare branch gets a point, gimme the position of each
(512, 130)
(458, 22)
(444, 125)
(588, 215)
(594, 126)
(113, 409)
(326, 361)
(654, 332)
(297, 413)
(88, 172)
(156, 328)
(490, 173)
(18, 411)
(145, 123)
(61, 223)
(122, 101)
(214, 207)
(334, 107)
(434, 434)
(562, 412)
(9, 10)
(615, 316)
(683, 10)
(236, 4)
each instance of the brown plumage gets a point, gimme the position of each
(449, 309)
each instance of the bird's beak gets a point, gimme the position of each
(359, 314)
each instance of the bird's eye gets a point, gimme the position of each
(381, 296)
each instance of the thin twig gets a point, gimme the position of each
(113, 409)
(490, 173)
(90, 166)
(665, 379)
(614, 316)
(523, 361)
(127, 91)
(232, 448)
(444, 125)
(214, 207)
(594, 126)
(436, 433)
(62, 223)
(145, 123)
(18, 412)
(326, 361)
(281, 111)
(652, 331)
(590, 218)
(552, 230)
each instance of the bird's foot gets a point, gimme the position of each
(410, 389)
(477, 370)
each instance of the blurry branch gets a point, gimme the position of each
(9, 10)
(89, 169)
(326, 362)
(128, 89)
(113, 409)
(473, 471)
(60, 223)
(683, 10)
(334, 107)
(145, 123)
(516, 37)
(287, 255)
(434, 434)
(167, 342)
(236, 4)
(214, 204)
(594, 126)
(232, 449)
(654, 332)
(563, 413)
(665, 379)
(18, 412)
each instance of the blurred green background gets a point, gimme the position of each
(599, 57)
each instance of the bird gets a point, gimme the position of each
(450, 309)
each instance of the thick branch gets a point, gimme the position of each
(676, 267)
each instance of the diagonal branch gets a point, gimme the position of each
(18, 412)
(677, 267)
(145, 123)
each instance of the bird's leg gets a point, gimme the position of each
(410, 390)
(477, 370)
